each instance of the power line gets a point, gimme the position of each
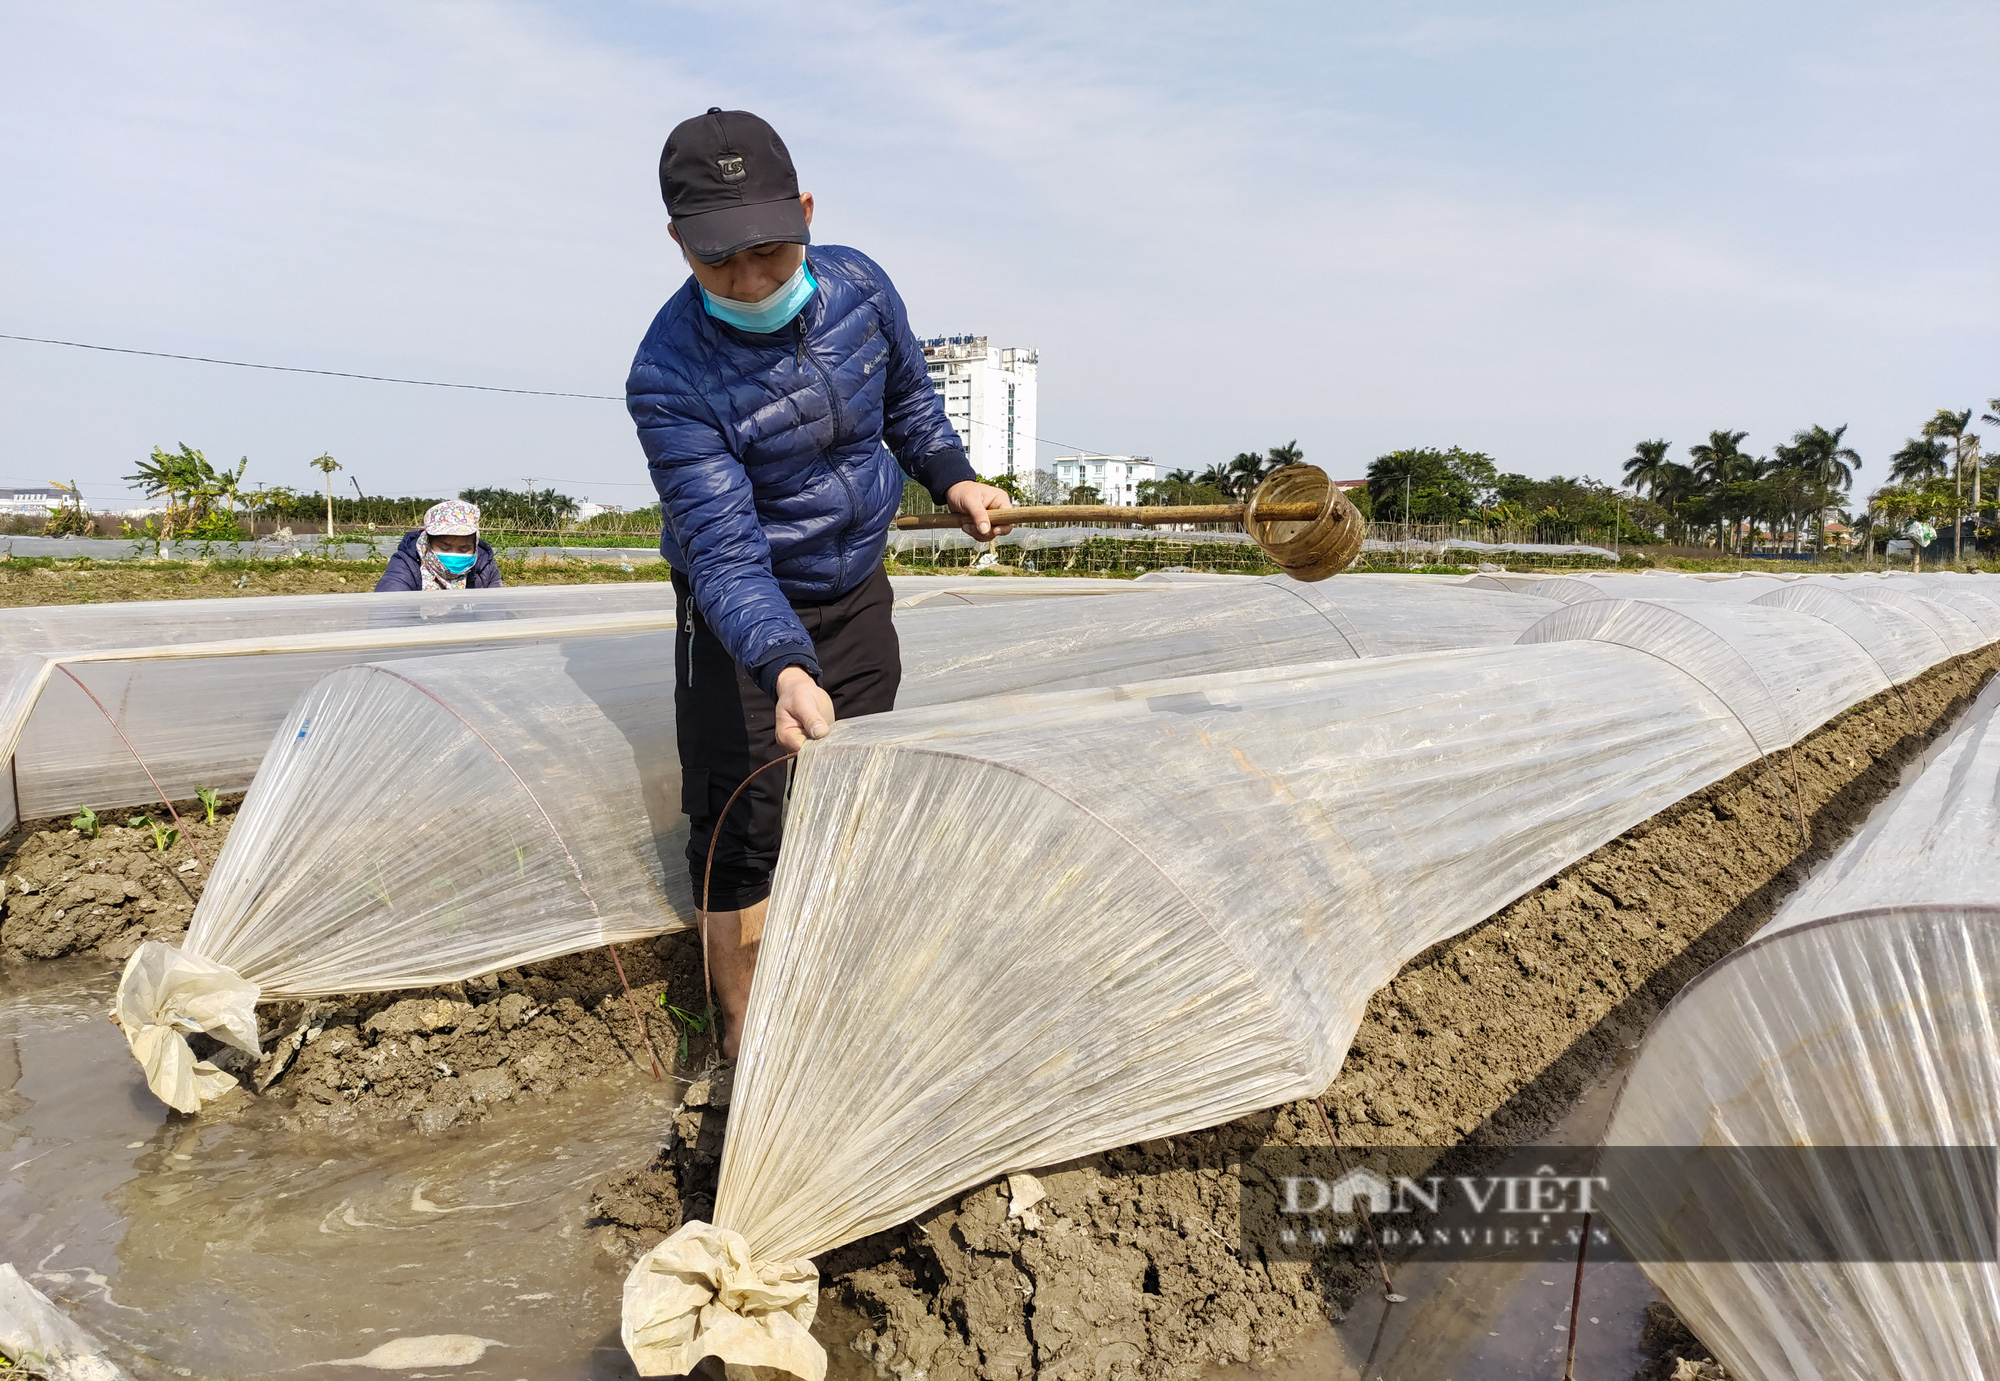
(328, 373)
(428, 383)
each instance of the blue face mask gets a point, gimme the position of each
(774, 313)
(457, 562)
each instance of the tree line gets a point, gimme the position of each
(1727, 496)
(207, 502)
(1722, 495)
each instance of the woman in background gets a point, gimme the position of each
(446, 553)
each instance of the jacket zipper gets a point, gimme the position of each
(687, 631)
(833, 402)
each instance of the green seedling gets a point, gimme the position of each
(85, 823)
(164, 836)
(210, 798)
(686, 1023)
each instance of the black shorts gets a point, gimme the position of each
(727, 728)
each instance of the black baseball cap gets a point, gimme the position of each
(729, 184)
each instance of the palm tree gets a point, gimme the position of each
(1646, 467)
(1992, 419)
(1718, 459)
(1719, 462)
(1245, 470)
(1952, 425)
(1217, 477)
(327, 465)
(1917, 460)
(1823, 457)
(1287, 454)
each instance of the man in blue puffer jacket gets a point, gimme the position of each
(780, 397)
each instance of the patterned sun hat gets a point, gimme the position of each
(452, 518)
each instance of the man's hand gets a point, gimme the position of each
(804, 710)
(972, 501)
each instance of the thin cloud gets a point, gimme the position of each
(1542, 234)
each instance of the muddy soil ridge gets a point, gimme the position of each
(1131, 1266)
(68, 893)
(449, 1055)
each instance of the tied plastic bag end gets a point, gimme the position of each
(164, 995)
(700, 1294)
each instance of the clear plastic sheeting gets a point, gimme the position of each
(423, 821)
(1875, 1028)
(1866, 1014)
(1981, 609)
(1173, 576)
(42, 1341)
(1572, 589)
(1784, 673)
(700, 1295)
(955, 654)
(198, 686)
(1204, 880)
(1933, 844)
(432, 818)
(1915, 596)
(1900, 642)
(67, 628)
(912, 591)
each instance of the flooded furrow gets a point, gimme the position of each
(228, 1245)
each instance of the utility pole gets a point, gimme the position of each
(1406, 518)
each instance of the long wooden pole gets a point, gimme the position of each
(1150, 516)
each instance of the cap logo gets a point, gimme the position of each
(732, 167)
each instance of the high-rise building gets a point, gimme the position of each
(1115, 478)
(989, 395)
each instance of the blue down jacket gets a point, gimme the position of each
(768, 451)
(406, 568)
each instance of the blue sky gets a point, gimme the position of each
(1541, 230)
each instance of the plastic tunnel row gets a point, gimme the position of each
(1205, 879)
(415, 815)
(1862, 1016)
(199, 686)
(436, 817)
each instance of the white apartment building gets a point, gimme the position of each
(31, 502)
(1115, 478)
(989, 395)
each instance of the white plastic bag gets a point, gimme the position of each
(700, 1294)
(35, 1334)
(167, 993)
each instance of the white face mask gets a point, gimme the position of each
(774, 313)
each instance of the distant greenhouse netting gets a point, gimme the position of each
(1124, 548)
(1417, 545)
